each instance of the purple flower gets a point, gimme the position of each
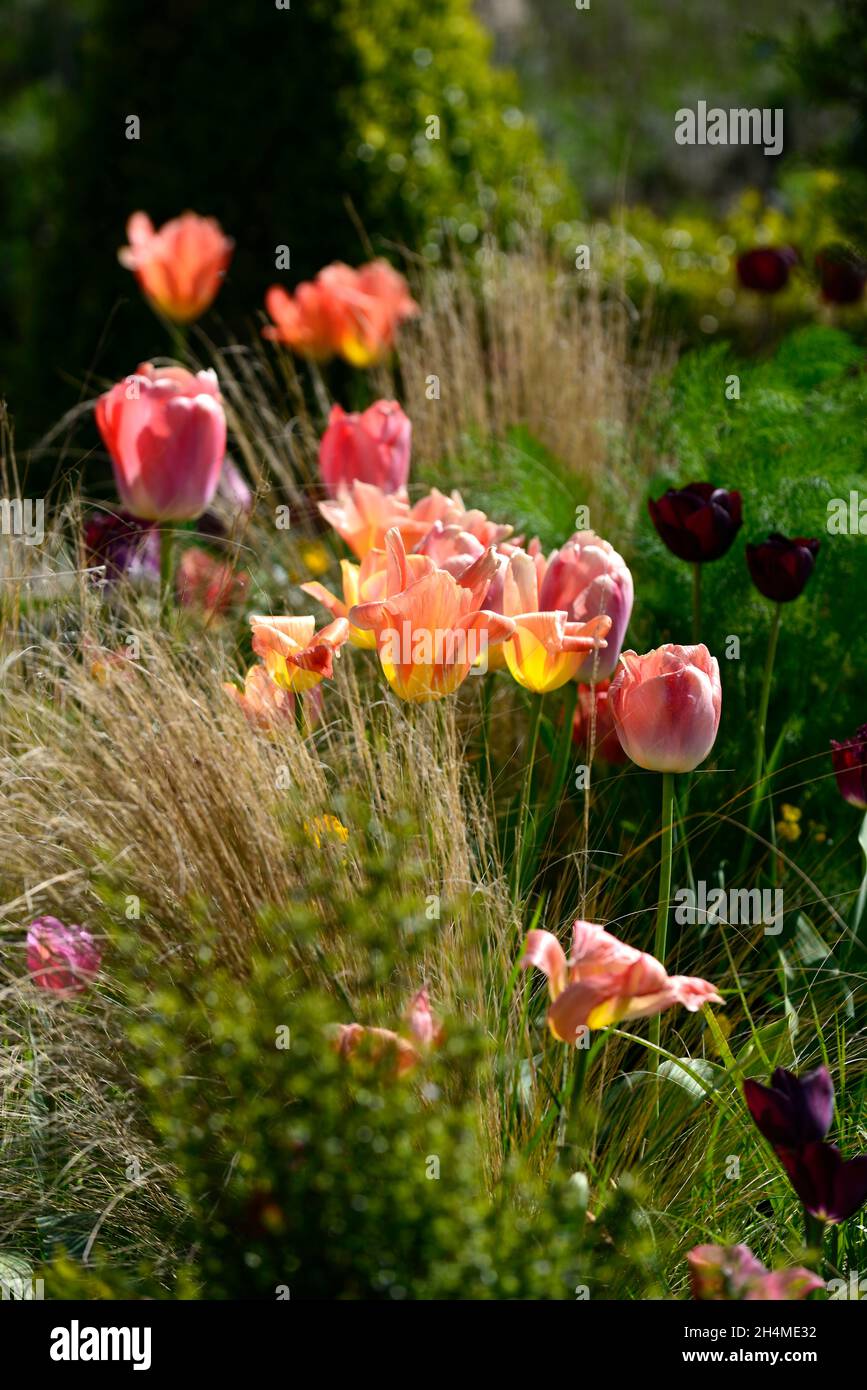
(123, 544)
(830, 1187)
(766, 269)
(61, 958)
(697, 522)
(780, 567)
(850, 765)
(793, 1110)
(842, 274)
(731, 1273)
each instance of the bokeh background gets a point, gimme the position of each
(306, 128)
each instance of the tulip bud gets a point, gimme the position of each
(766, 269)
(842, 275)
(780, 567)
(697, 522)
(371, 447)
(850, 767)
(666, 706)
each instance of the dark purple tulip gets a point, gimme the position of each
(850, 766)
(780, 567)
(122, 543)
(697, 522)
(842, 275)
(829, 1186)
(767, 268)
(793, 1110)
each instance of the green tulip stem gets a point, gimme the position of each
(660, 939)
(696, 602)
(167, 557)
(762, 721)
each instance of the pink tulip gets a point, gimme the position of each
(60, 958)
(587, 577)
(426, 1029)
(180, 267)
(547, 648)
(209, 584)
(371, 447)
(422, 1022)
(666, 706)
(166, 433)
(266, 706)
(604, 981)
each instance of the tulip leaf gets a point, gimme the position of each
(679, 1072)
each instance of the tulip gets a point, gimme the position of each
(587, 577)
(363, 513)
(209, 584)
(767, 268)
(422, 1022)
(850, 767)
(547, 648)
(429, 628)
(830, 1188)
(354, 313)
(842, 275)
(599, 726)
(371, 447)
(362, 583)
(232, 504)
(121, 545)
(266, 706)
(731, 1273)
(697, 522)
(426, 1030)
(166, 433)
(604, 981)
(780, 567)
(666, 706)
(296, 656)
(60, 958)
(180, 267)
(376, 1044)
(793, 1110)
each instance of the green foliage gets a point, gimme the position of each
(272, 120)
(303, 1175)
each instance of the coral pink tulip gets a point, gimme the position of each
(604, 981)
(353, 313)
(547, 648)
(606, 745)
(587, 577)
(60, 958)
(430, 630)
(362, 584)
(166, 433)
(180, 267)
(209, 584)
(426, 1029)
(666, 706)
(296, 656)
(371, 447)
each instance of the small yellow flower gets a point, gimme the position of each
(788, 828)
(315, 558)
(325, 827)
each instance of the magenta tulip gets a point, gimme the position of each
(60, 958)
(371, 447)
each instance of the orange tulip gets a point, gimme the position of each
(180, 267)
(429, 629)
(546, 649)
(296, 656)
(422, 1023)
(604, 981)
(353, 313)
(361, 584)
